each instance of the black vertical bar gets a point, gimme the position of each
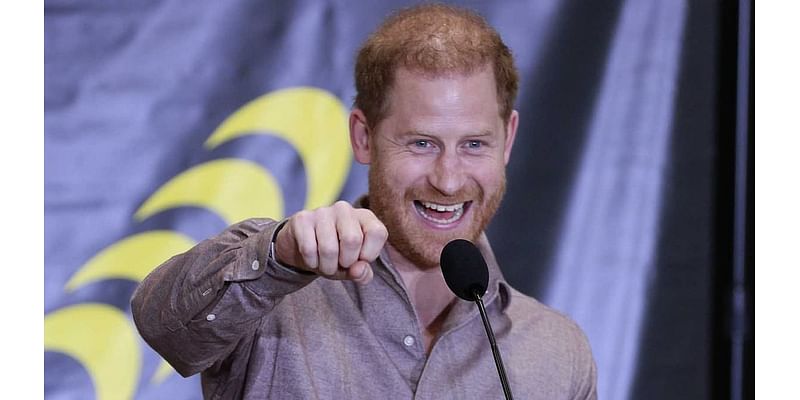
(748, 384)
(722, 275)
(732, 297)
(742, 320)
(498, 360)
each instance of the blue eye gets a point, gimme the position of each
(422, 143)
(474, 144)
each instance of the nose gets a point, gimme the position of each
(447, 174)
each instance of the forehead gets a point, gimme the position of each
(418, 100)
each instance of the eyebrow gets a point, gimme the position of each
(415, 132)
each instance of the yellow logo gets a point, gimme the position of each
(102, 338)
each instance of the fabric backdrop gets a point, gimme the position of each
(165, 121)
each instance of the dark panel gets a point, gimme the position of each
(748, 384)
(555, 108)
(674, 357)
(725, 320)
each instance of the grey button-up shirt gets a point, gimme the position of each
(258, 330)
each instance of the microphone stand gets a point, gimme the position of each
(495, 351)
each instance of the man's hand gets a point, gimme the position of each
(337, 242)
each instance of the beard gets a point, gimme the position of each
(408, 234)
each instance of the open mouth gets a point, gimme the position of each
(441, 214)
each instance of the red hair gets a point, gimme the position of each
(434, 40)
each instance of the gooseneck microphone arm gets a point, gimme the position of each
(498, 361)
(466, 274)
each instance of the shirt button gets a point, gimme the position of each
(254, 265)
(210, 317)
(408, 341)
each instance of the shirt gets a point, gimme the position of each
(255, 329)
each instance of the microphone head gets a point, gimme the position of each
(464, 269)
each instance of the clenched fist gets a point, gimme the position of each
(337, 242)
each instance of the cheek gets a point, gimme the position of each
(407, 173)
(490, 176)
(397, 178)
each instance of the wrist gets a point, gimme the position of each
(272, 252)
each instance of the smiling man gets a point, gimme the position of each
(349, 302)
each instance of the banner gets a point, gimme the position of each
(166, 121)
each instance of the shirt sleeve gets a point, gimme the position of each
(196, 307)
(584, 370)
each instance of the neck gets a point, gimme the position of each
(427, 292)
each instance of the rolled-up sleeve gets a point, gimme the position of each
(196, 307)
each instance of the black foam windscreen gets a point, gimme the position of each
(464, 269)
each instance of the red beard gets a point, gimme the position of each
(408, 234)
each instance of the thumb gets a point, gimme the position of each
(359, 272)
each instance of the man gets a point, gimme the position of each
(348, 302)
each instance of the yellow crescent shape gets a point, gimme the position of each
(131, 258)
(102, 339)
(234, 189)
(310, 119)
(164, 370)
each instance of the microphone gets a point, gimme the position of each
(467, 275)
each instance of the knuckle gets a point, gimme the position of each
(379, 231)
(325, 269)
(352, 239)
(307, 251)
(301, 217)
(366, 214)
(347, 259)
(327, 250)
(342, 209)
(333, 272)
(320, 213)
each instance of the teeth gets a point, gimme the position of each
(441, 207)
(457, 209)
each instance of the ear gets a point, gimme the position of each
(511, 134)
(359, 136)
